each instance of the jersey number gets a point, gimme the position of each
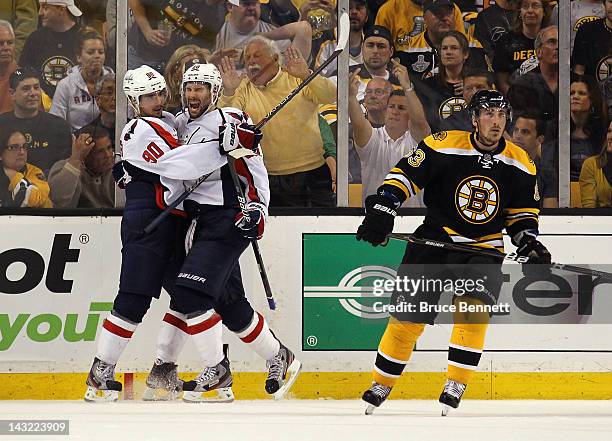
(152, 153)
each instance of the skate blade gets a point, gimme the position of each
(445, 409)
(160, 394)
(93, 395)
(223, 395)
(292, 374)
(369, 410)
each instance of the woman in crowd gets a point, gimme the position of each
(587, 122)
(21, 184)
(517, 46)
(442, 94)
(175, 69)
(74, 96)
(596, 177)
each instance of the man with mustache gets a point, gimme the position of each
(7, 64)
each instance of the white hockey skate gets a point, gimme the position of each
(451, 396)
(163, 383)
(213, 379)
(101, 384)
(283, 370)
(375, 396)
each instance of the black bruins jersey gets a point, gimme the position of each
(471, 195)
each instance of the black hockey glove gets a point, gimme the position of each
(380, 215)
(536, 252)
(252, 228)
(120, 175)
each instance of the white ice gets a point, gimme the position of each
(320, 420)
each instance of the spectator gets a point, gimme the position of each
(593, 46)
(518, 46)
(375, 101)
(473, 81)
(493, 23)
(85, 180)
(441, 94)
(111, 32)
(23, 16)
(176, 66)
(163, 26)
(74, 96)
(244, 22)
(292, 144)
(105, 99)
(406, 19)
(21, 184)
(7, 64)
(381, 148)
(538, 89)
(48, 136)
(528, 133)
(596, 177)
(581, 12)
(420, 54)
(52, 49)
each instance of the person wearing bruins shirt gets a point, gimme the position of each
(592, 54)
(477, 184)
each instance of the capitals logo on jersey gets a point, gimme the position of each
(477, 199)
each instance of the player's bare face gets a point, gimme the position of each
(152, 104)
(198, 98)
(491, 124)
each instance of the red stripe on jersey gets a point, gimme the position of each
(206, 324)
(244, 171)
(161, 204)
(165, 135)
(117, 330)
(176, 322)
(255, 333)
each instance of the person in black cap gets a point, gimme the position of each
(47, 135)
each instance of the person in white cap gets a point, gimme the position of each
(52, 48)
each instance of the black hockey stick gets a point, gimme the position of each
(495, 254)
(242, 202)
(343, 37)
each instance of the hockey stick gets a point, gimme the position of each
(242, 202)
(495, 254)
(343, 37)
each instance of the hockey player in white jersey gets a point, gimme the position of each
(209, 283)
(151, 152)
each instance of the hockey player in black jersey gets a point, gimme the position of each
(477, 184)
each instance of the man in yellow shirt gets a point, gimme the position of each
(292, 144)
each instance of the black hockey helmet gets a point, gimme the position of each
(489, 99)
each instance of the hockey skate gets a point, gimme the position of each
(101, 384)
(375, 396)
(163, 383)
(283, 370)
(451, 396)
(217, 378)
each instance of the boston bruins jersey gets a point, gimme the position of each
(471, 195)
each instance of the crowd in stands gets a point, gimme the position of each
(414, 67)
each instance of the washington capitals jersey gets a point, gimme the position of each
(218, 187)
(472, 195)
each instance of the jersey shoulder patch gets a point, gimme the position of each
(452, 139)
(521, 158)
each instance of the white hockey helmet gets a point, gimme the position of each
(142, 81)
(205, 74)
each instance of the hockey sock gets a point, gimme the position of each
(259, 337)
(114, 337)
(205, 329)
(394, 350)
(466, 343)
(172, 336)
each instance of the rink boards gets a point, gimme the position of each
(58, 278)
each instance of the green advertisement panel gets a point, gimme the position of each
(340, 305)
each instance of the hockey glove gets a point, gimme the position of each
(536, 252)
(120, 175)
(251, 228)
(249, 136)
(380, 216)
(233, 136)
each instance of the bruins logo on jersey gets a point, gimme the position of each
(583, 20)
(440, 136)
(604, 68)
(477, 199)
(55, 69)
(415, 157)
(452, 105)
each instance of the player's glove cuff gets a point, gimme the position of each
(252, 227)
(381, 210)
(249, 136)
